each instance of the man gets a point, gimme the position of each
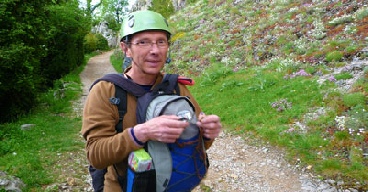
(145, 40)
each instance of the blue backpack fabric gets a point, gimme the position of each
(187, 156)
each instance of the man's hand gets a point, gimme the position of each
(210, 124)
(165, 128)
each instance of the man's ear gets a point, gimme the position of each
(125, 48)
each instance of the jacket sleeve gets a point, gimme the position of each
(185, 92)
(104, 147)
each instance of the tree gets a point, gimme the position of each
(138, 4)
(111, 11)
(67, 30)
(23, 36)
(117, 8)
(40, 40)
(165, 7)
(91, 8)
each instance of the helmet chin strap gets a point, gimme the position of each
(127, 62)
(168, 59)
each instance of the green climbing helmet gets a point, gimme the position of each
(143, 20)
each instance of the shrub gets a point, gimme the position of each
(361, 13)
(90, 43)
(65, 47)
(343, 76)
(165, 7)
(93, 42)
(102, 43)
(40, 42)
(334, 56)
(340, 20)
(354, 99)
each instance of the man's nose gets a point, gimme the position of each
(154, 47)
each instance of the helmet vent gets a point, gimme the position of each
(142, 21)
(131, 21)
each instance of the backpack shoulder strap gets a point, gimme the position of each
(120, 94)
(174, 85)
(122, 86)
(168, 85)
(124, 83)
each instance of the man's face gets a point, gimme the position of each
(149, 52)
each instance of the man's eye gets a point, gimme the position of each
(143, 42)
(161, 42)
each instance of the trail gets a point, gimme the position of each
(96, 67)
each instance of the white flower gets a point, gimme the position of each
(340, 121)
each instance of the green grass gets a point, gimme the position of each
(244, 103)
(34, 155)
(117, 60)
(27, 151)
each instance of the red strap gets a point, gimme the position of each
(185, 81)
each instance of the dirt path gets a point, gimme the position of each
(97, 66)
(234, 165)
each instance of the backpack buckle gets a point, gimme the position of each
(114, 100)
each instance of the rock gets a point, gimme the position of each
(25, 127)
(71, 181)
(103, 29)
(10, 183)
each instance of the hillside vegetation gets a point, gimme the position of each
(248, 33)
(293, 73)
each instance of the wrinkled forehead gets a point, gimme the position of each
(151, 34)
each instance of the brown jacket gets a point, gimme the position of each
(105, 146)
